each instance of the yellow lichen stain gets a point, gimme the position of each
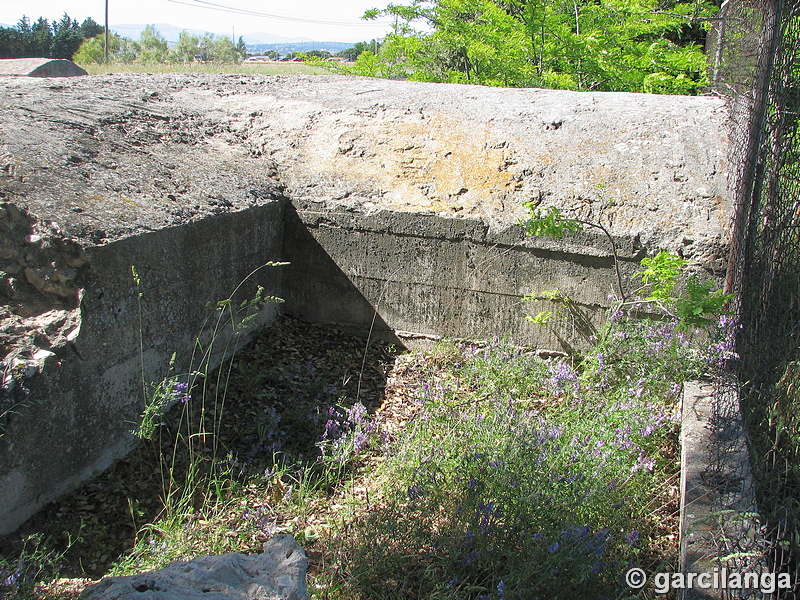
(438, 163)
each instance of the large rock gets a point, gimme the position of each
(279, 573)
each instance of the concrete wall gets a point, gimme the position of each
(428, 276)
(394, 274)
(85, 395)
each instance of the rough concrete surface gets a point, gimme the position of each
(397, 204)
(120, 152)
(720, 529)
(278, 573)
(40, 67)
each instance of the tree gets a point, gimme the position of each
(40, 42)
(24, 27)
(206, 47)
(90, 28)
(241, 48)
(153, 46)
(354, 52)
(93, 50)
(66, 38)
(14, 41)
(60, 39)
(318, 54)
(629, 45)
(187, 48)
(223, 50)
(12, 45)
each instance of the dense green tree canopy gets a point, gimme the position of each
(59, 39)
(627, 45)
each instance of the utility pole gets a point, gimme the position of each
(105, 45)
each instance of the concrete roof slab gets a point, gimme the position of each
(106, 156)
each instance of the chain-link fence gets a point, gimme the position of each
(754, 49)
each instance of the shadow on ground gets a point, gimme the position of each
(279, 390)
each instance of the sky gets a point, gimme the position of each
(318, 20)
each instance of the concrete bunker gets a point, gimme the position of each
(40, 67)
(396, 204)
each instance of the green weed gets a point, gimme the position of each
(37, 562)
(518, 478)
(189, 458)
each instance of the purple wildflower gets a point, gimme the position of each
(644, 463)
(623, 437)
(12, 579)
(179, 392)
(359, 441)
(332, 430)
(356, 414)
(563, 378)
(636, 392)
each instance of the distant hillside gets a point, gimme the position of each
(270, 38)
(257, 42)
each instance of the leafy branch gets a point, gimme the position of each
(552, 223)
(659, 277)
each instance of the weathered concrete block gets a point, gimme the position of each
(398, 205)
(720, 529)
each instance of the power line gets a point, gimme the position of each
(254, 13)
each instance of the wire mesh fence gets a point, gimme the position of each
(754, 50)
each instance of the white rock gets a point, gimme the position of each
(279, 573)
